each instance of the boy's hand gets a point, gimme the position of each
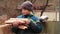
(16, 23)
(27, 22)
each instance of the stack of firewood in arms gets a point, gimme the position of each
(21, 23)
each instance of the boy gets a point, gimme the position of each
(34, 28)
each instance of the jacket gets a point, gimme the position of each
(34, 28)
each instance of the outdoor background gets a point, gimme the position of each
(8, 9)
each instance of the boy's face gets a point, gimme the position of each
(25, 12)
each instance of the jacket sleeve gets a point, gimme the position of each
(35, 26)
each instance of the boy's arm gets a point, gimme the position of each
(36, 27)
